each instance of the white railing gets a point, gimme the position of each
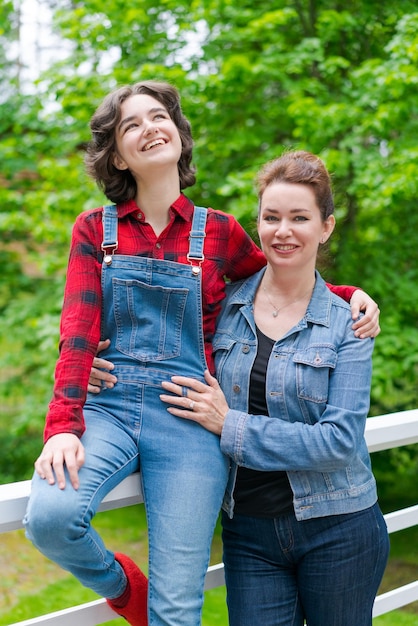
(383, 432)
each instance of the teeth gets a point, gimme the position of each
(156, 142)
(285, 247)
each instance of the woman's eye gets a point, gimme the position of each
(130, 126)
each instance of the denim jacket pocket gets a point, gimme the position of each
(222, 341)
(313, 367)
(222, 345)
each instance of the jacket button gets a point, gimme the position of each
(317, 359)
(236, 388)
(245, 349)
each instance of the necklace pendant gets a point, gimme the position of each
(275, 313)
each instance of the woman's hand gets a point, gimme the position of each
(62, 449)
(193, 400)
(98, 373)
(368, 325)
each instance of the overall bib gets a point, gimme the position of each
(152, 314)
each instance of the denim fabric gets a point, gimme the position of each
(317, 391)
(155, 319)
(325, 570)
(152, 315)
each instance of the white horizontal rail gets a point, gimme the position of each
(382, 432)
(392, 430)
(14, 498)
(89, 614)
(98, 611)
(395, 599)
(404, 518)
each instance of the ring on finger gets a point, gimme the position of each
(184, 391)
(191, 405)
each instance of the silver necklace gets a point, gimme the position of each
(277, 310)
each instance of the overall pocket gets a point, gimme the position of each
(149, 319)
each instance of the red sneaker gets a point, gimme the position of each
(135, 611)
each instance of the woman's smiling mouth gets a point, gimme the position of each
(151, 144)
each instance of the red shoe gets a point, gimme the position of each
(135, 611)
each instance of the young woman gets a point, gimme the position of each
(304, 538)
(147, 272)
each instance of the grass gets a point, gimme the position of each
(32, 586)
(396, 618)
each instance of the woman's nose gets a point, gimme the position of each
(150, 128)
(283, 228)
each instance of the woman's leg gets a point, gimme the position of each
(338, 577)
(58, 522)
(184, 476)
(261, 579)
(327, 569)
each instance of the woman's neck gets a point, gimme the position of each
(155, 200)
(281, 300)
(287, 284)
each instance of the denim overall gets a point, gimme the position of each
(152, 314)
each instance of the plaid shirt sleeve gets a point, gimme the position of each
(344, 291)
(79, 330)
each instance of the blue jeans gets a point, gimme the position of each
(280, 572)
(184, 476)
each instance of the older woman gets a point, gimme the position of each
(304, 537)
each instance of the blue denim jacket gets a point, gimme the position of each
(318, 392)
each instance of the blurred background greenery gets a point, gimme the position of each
(339, 79)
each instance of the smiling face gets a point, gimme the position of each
(146, 137)
(290, 226)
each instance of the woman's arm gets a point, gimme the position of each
(79, 332)
(368, 324)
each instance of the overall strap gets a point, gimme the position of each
(110, 232)
(197, 238)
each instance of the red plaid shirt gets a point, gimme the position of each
(229, 252)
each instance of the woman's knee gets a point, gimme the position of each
(52, 519)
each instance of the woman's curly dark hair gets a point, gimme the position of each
(120, 185)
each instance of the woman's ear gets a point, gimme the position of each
(329, 226)
(118, 162)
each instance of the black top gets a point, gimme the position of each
(258, 493)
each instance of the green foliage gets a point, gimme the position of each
(255, 80)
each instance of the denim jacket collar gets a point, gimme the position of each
(318, 310)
